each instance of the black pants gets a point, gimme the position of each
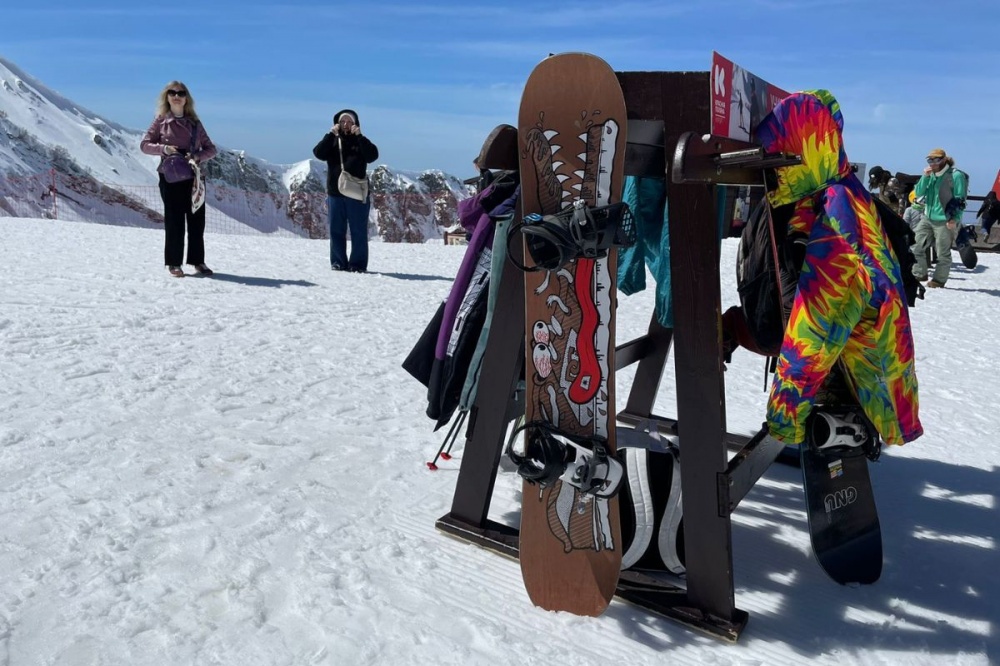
(176, 212)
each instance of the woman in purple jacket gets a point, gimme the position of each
(177, 130)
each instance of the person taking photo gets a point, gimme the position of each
(344, 147)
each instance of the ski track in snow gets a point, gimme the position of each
(231, 470)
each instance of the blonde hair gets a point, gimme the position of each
(163, 106)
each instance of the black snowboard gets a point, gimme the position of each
(843, 519)
(966, 250)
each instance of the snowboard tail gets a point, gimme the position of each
(969, 256)
(843, 518)
(964, 244)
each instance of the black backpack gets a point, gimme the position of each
(901, 238)
(767, 273)
(992, 211)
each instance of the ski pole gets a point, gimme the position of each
(447, 453)
(449, 440)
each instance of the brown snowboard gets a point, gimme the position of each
(571, 145)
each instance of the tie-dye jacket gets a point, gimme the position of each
(850, 304)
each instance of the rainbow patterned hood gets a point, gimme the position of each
(807, 124)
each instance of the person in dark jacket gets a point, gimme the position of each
(988, 213)
(345, 146)
(176, 129)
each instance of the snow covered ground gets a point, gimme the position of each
(231, 471)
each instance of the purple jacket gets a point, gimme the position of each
(169, 130)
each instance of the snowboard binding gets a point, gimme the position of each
(576, 232)
(845, 432)
(552, 455)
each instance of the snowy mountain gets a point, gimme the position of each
(60, 160)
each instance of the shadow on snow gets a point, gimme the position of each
(938, 590)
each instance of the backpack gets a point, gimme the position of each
(993, 210)
(954, 205)
(988, 210)
(767, 273)
(901, 239)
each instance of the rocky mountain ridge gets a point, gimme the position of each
(58, 159)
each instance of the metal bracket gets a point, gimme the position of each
(717, 160)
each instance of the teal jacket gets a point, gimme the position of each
(945, 194)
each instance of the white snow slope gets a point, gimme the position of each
(231, 471)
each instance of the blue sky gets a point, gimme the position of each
(431, 80)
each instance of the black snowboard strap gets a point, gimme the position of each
(576, 232)
(549, 452)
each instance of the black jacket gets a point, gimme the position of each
(990, 210)
(359, 152)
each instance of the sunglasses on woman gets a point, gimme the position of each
(177, 93)
(934, 160)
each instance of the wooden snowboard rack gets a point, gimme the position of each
(660, 105)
